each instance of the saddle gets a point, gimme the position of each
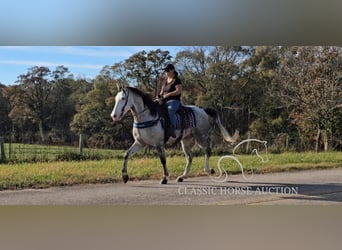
(185, 119)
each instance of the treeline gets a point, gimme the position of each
(288, 96)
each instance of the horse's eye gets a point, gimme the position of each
(123, 98)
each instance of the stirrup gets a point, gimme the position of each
(173, 133)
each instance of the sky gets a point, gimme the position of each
(82, 61)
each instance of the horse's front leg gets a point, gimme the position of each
(136, 146)
(162, 156)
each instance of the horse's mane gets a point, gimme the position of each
(147, 100)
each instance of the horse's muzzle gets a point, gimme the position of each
(115, 117)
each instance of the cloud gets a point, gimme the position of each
(90, 51)
(94, 51)
(123, 52)
(50, 64)
(21, 48)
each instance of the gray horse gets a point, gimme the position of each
(148, 129)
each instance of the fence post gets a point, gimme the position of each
(248, 142)
(2, 149)
(80, 144)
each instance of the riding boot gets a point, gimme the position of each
(172, 132)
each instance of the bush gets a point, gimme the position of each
(74, 156)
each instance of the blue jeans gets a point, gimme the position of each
(172, 107)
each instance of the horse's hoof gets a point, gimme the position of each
(125, 178)
(212, 171)
(163, 181)
(180, 179)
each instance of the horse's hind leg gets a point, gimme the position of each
(161, 153)
(131, 151)
(204, 143)
(186, 145)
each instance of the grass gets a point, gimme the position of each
(62, 173)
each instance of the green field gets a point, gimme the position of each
(62, 173)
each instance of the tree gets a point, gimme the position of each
(4, 112)
(266, 116)
(193, 64)
(93, 115)
(309, 83)
(23, 127)
(62, 105)
(43, 101)
(143, 69)
(36, 89)
(212, 78)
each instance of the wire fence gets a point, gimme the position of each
(24, 152)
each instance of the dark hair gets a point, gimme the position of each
(169, 67)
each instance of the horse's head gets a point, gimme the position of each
(122, 105)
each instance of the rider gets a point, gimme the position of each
(171, 92)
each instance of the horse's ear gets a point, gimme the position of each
(119, 87)
(122, 88)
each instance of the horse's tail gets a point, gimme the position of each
(226, 136)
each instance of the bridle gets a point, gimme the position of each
(126, 101)
(139, 125)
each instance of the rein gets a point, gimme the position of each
(146, 124)
(126, 101)
(141, 125)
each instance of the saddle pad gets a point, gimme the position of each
(185, 118)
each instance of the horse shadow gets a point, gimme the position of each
(331, 192)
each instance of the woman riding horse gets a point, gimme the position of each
(171, 92)
(148, 129)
